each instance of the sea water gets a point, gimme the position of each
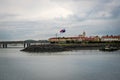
(68, 65)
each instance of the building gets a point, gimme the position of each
(92, 38)
(83, 38)
(65, 39)
(80, 38)
(83, 34)
(110, 38)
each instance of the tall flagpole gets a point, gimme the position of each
(56, 35)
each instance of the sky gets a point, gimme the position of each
(43, 19)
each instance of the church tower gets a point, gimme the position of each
(84, 34)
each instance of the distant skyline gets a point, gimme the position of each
(42, 19)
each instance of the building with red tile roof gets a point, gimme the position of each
(110, 38)
(84, 38)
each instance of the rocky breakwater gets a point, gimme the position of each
(44, 48)
(59, 47)
(65, 47)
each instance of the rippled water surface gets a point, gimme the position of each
(69, 65)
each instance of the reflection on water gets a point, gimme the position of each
(68, 65)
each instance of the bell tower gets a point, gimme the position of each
(84, 34)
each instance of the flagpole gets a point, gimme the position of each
(56, 35)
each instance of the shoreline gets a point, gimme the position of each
(65, 47)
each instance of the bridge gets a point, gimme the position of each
(26, 43)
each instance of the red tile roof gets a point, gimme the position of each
(110, 36)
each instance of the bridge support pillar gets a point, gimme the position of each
(4, 45)
(26, 45)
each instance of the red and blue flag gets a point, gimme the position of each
(62, 31)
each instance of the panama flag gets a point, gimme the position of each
(62, 31)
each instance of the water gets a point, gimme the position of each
(69, 65)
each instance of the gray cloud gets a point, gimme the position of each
(42, 19)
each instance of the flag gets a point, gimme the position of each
(62, 30)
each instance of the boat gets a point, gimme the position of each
(109, 48)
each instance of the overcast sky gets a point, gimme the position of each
(42, 19)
